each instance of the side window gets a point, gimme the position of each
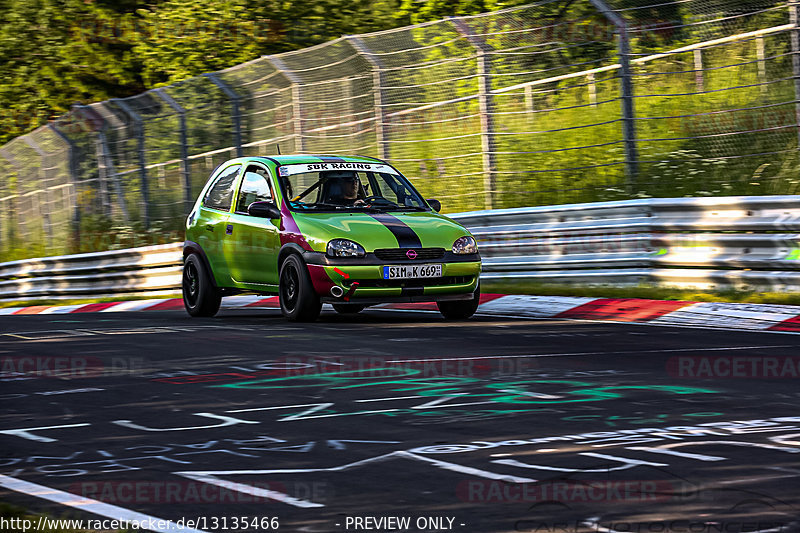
(255, 188)
(220, 195)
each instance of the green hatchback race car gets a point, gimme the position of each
(314, 229)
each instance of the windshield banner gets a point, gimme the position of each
(302, 168)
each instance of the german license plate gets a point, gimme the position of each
(412, 271)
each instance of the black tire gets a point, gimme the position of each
(200, 296)
(348, 309)
(299, 300)
(460, 309)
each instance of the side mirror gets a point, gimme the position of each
(436, 205)
(263, 210)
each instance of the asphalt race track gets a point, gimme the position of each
(489, 425)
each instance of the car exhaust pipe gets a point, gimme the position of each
(337, 291)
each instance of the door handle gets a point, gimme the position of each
(210, 227)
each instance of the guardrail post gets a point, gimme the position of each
(485, 106)
(44, 211)
(185, 174)
(297, 112)
(236, 116)
(626, 89)
(794, 19)
(72, 171)
(139, 132)
(382, 129)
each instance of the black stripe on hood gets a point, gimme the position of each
(406, 237)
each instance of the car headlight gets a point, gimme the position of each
(344, 248)
(465, 245)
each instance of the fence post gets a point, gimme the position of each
(794, 19)
(72, 171)
(98, 124)
(139, 129)
(297, 112)
(699, 79)
(11, 217)
(44, 211)
(382, 126)
(485, 106)
(235, 114)
(185, 174)
(626, 88)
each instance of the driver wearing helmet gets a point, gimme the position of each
(345, 188)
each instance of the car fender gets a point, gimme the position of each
(319, 278)
(191, 247)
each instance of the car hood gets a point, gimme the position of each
(379, 230)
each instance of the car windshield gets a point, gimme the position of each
(348, 186)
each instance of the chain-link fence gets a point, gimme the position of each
(555, 102)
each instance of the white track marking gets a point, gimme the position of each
(253, 491)
(63, 309)
(666, 451)
(25, 433)
(211, 476)
(565, 354)
(533, 306)
(235, 302)
(89, 505)
(134, 305)
(388, 399)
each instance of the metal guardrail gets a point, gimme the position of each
(146, 271)
(703, 243)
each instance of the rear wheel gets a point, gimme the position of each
(299, 301)
(460, 309)
(200, 297)
(348, 309)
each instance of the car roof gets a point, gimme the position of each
(315, 158)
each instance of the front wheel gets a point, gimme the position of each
(299, 301)
(460, 309)
(200, 297)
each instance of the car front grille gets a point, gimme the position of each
(399, 254)
(418, 282)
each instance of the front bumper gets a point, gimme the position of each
(361, 280)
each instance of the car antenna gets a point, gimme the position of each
(278, 147)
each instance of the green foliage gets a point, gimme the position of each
(556, 142)
(51, 56)
(181, 38)
(54, 53)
